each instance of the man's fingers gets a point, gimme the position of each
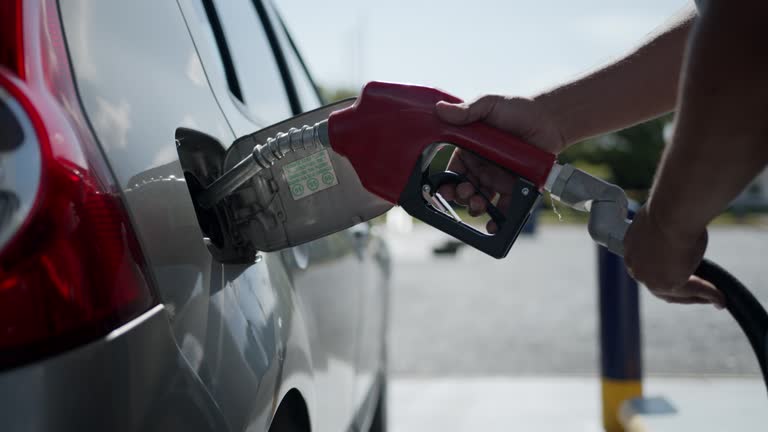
(452, 113)
(491, 227)
(463, 113)
(695, 290)
(448, 192)
(684, 300)
(455, 164)
(695, 287)
(488, 192)
(699, 287)
(477, 205)
(464, 192)
(504, 201)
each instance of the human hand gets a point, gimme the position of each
(664, 259)
(522, 117)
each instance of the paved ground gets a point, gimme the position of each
(480, 344)
(568, 404)
(534, 313)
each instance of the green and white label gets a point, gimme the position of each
(310, 175)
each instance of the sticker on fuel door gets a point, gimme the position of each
(310, 175)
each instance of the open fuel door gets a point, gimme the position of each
(304, 196)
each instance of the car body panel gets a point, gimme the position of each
(159, 391)
(331, 285)
(252, 332)
(136, 129)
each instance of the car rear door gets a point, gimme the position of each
(373, 293)
(250, 78)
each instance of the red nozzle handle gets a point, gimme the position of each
(386, 131)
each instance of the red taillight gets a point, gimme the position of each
(72, 269)
(11, 54)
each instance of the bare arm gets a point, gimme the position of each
(640, 86)
(720, 144)
(721, 141)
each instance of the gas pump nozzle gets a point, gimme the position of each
(388, 136)
(264, 157)
(292, 183)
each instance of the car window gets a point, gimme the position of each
(252, 72)
(305, 88)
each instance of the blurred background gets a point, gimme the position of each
(477, 343)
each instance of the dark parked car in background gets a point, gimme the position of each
(120, 308)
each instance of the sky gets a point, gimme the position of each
(468, 47)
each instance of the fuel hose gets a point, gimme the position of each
(744, 307)
(609, 220)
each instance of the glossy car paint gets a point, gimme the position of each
(76, 391)
(228, 341)
(331, 287)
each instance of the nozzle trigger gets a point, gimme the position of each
(435, 181)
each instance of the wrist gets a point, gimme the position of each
(573, 112)
(549, 111)
(675, 227)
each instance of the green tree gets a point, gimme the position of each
(631, 155)
(333, 94)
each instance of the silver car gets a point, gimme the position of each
(123, 306)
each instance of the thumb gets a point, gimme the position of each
(699, 287)
(463, 113)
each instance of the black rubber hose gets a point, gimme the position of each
(744, 308)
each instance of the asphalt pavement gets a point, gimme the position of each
(557, 404)
(535, 312)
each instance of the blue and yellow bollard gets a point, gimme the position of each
(620, 340)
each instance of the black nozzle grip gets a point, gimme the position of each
(524, 198)
(450, 177)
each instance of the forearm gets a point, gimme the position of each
(638, 87)
(721, 140)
